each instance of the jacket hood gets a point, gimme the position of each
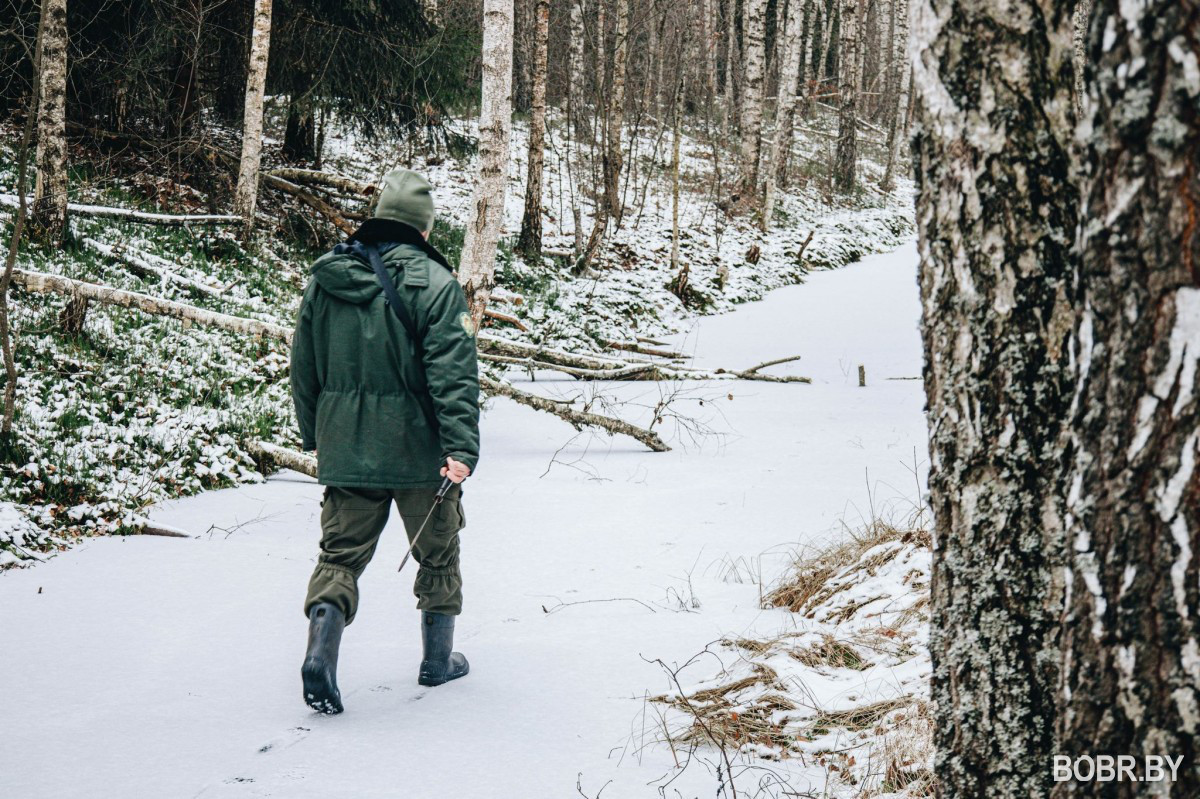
(348, 277)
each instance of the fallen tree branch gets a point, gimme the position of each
(44, 283)
(509, 318)
(501, 294)
(130, 215)
(584, 374)
(142, 267)
(313, 177)
(577, 419)
(316, 203)
(775, 362)
(281, 456)
(641, 350)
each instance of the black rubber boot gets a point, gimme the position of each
(441, 664)
(325, 625)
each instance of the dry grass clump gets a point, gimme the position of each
(905, 750)
(830, 652)
(811, 583)
(723, 716)
(857, 718)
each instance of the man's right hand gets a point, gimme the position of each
(456, 471)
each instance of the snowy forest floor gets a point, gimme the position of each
(141, 666)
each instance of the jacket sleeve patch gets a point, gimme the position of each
(468, 326)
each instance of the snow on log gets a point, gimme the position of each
(327, 179)
(281, 456)
(130, 215)
(577, 419)
(316, 203)
(500, 316)
(44, 283)
(140, 265)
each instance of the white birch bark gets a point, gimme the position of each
(246, 194)
(477, 268)
(754, 18)
(997, 215)
(849, 76)
(48, 218)
(785, 107)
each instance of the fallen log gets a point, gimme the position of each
(577, 419)
(515, 349)
(328, 179)
(500, 316)
(316, 203)
(282, 456)
(643, 350)
(44, 283)
(584, 374)
(142, 267)
(130, 215)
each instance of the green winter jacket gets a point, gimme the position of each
(377, 417)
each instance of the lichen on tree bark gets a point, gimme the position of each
(1131, 676)
(996, 218)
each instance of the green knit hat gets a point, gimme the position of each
(406, 197)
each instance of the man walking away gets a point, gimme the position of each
(386, 388)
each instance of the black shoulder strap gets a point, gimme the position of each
(393, 296)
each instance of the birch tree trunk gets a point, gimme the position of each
(578, 94)
(616, 113)
(48, 218)
(899, 45)
(246, 194)
(996, 221)
(1083, 12)
(530, 241)
(785, 108)
(845, 166)
(477, 267)
(754, 19)
(1131, 649)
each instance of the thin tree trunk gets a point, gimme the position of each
(10, 259)
(246, 194)
(477, 268)
(996, 220)
(899, 46)
(676, 113)
(845, 166)
(48, 218)
(785, 108)
(530, 241)
(578, 128)
(754, 19)
(1083, 13)
(616, 113)
(577, 98)
(1131, 657)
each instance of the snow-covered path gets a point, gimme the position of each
(154, 667)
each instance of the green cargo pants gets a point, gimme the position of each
(351, 522)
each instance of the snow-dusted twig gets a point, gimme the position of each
(577, 419)
(642, 350)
